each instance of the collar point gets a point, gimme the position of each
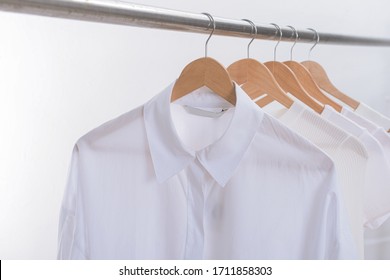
(222, 182)
(161, 179)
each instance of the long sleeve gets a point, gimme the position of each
(71, 232)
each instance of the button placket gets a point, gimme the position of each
(195, 208)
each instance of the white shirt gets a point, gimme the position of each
(378, 132)
(377, 199)
(377, 242)
(141, 188)
(373, 115)
(349, 155)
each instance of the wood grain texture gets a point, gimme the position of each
(290, 83)
(256, 80)
(310, 85)
(207, 72)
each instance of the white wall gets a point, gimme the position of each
(61, 78)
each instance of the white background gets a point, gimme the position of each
(61, 78)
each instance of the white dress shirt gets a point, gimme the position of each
(349, 155)
(165, 181)
(373, 115)
(377, 199)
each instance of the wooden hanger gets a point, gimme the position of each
(288, 81)
(309, 85)
(308, 82)
(207, 72)
(321, 78)
(256, 79)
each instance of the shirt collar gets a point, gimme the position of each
(288, 115)
(341, 121)
(220, 159)
(374, 116)
(370, 126)
(293, 113)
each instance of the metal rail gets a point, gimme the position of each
(124, 13)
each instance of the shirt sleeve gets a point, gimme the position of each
(377, 188)
(341, 242)
(334, 229)
(71, 241)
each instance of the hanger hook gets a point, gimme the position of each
(212, 22)
(296, 39)
(317, 38)
(253, 32)
(278, 29)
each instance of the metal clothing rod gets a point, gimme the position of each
(124, 13)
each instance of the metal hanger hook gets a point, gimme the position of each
(253, 32)
(278, 29)
(212, 22)
(296, 39)
(317, 38)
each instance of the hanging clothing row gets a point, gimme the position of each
(255, 161)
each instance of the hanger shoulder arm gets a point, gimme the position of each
(205, 72)
(309, 84)
(322, 79)
(289, 82)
